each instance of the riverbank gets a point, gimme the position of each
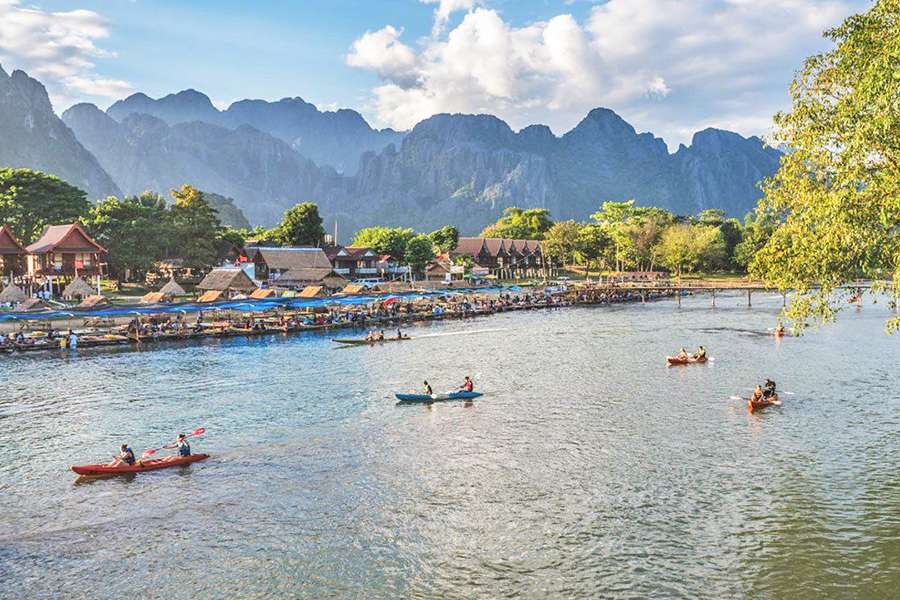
(212, 321)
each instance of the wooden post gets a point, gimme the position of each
(783, 299)
(749, 304)
(678, 291)
(714, 297)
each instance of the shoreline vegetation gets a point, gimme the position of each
(384, 313)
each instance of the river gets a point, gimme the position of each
(589, 468)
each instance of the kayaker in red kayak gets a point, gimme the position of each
(701, 353)
(683, 354)
(184, 448)
(125, 457)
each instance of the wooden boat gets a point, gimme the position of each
(674, 360)
(755, 405)
(457, 395)
(365, 342)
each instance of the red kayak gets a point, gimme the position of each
(139, 466)
(674, 360)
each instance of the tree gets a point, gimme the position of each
(837, 193)
(31, 200)
(520, 224)
(132, 229)
(593, 241)
(233, 236)
(194, 228)
(684, 248)
(385, 240)
(634, 231)
(301, 226)
(419, 251)
(446, 238)
(758, 228)
(561, 241)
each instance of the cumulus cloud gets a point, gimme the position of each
(668, 66)
(444, 9)
(59, 49)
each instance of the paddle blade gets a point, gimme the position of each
(199, 431)
(148, 453)
(735, 398)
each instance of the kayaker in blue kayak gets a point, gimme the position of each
(125, 457)
(468, 385)
(428, 391)
(184, 448)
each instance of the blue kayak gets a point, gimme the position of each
(458, 395)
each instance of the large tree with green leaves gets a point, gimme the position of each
(446, 238)
(194, 228)
(385, 240)
(837, 192)
(301, 226)
(419, 250)
(592, 244)
(133, 229)
(684, 247)
(521, 224)
(31, 200)
(561, 241)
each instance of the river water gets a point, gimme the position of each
(588, 469)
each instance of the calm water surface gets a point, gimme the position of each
(589, 468)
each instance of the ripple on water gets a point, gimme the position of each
(589, 468)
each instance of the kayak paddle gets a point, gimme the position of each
(197, 432)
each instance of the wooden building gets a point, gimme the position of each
(270, 264)
(65, 252)
(353, 262)
(505, 258)
(12, 254)
(229, 281)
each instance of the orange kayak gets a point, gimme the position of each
(674, 360)
(755, 405)
(139, 466)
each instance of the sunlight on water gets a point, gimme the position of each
(588, 469)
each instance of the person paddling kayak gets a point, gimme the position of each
(428, 391)
(184, 448)
(468, 385)
(125, 457)
(769, 389)
(701, 353)
(683, 355)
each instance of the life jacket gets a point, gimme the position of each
(184, 449)
(128, 456)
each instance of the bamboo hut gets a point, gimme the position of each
(152, 298)
(210, 296)
(354, 289)
(172, 290)
(31, 304)
(228, 281)
(77, 289)
(12, 293)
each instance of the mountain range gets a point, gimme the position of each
(458, 169)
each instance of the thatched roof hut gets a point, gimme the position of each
(93, 301)
(12, 293)
(312, 291)
(230, 279)
(77, 289)
(172, 289)
(353, 289)
(262, 293)
(31, 304)
(210, 296)
(152, 298)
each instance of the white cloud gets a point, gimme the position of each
(58, 48)
(662, 64)
(382, 52)
(444, 10)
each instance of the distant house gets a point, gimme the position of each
(353, 262)
(65, 251)
(12, 253)
(503, 257)
(227, 280)
(298, 279)
(271, 263)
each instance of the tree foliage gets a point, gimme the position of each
(684, 247)
(31, 200)
(133, 230)
(521, 224)
(446, 238)
(837, 193)
(561, 241)
(419, 251)
(300, 226)
(194, 227)
(385, 240)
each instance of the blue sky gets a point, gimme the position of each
(667, 66)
